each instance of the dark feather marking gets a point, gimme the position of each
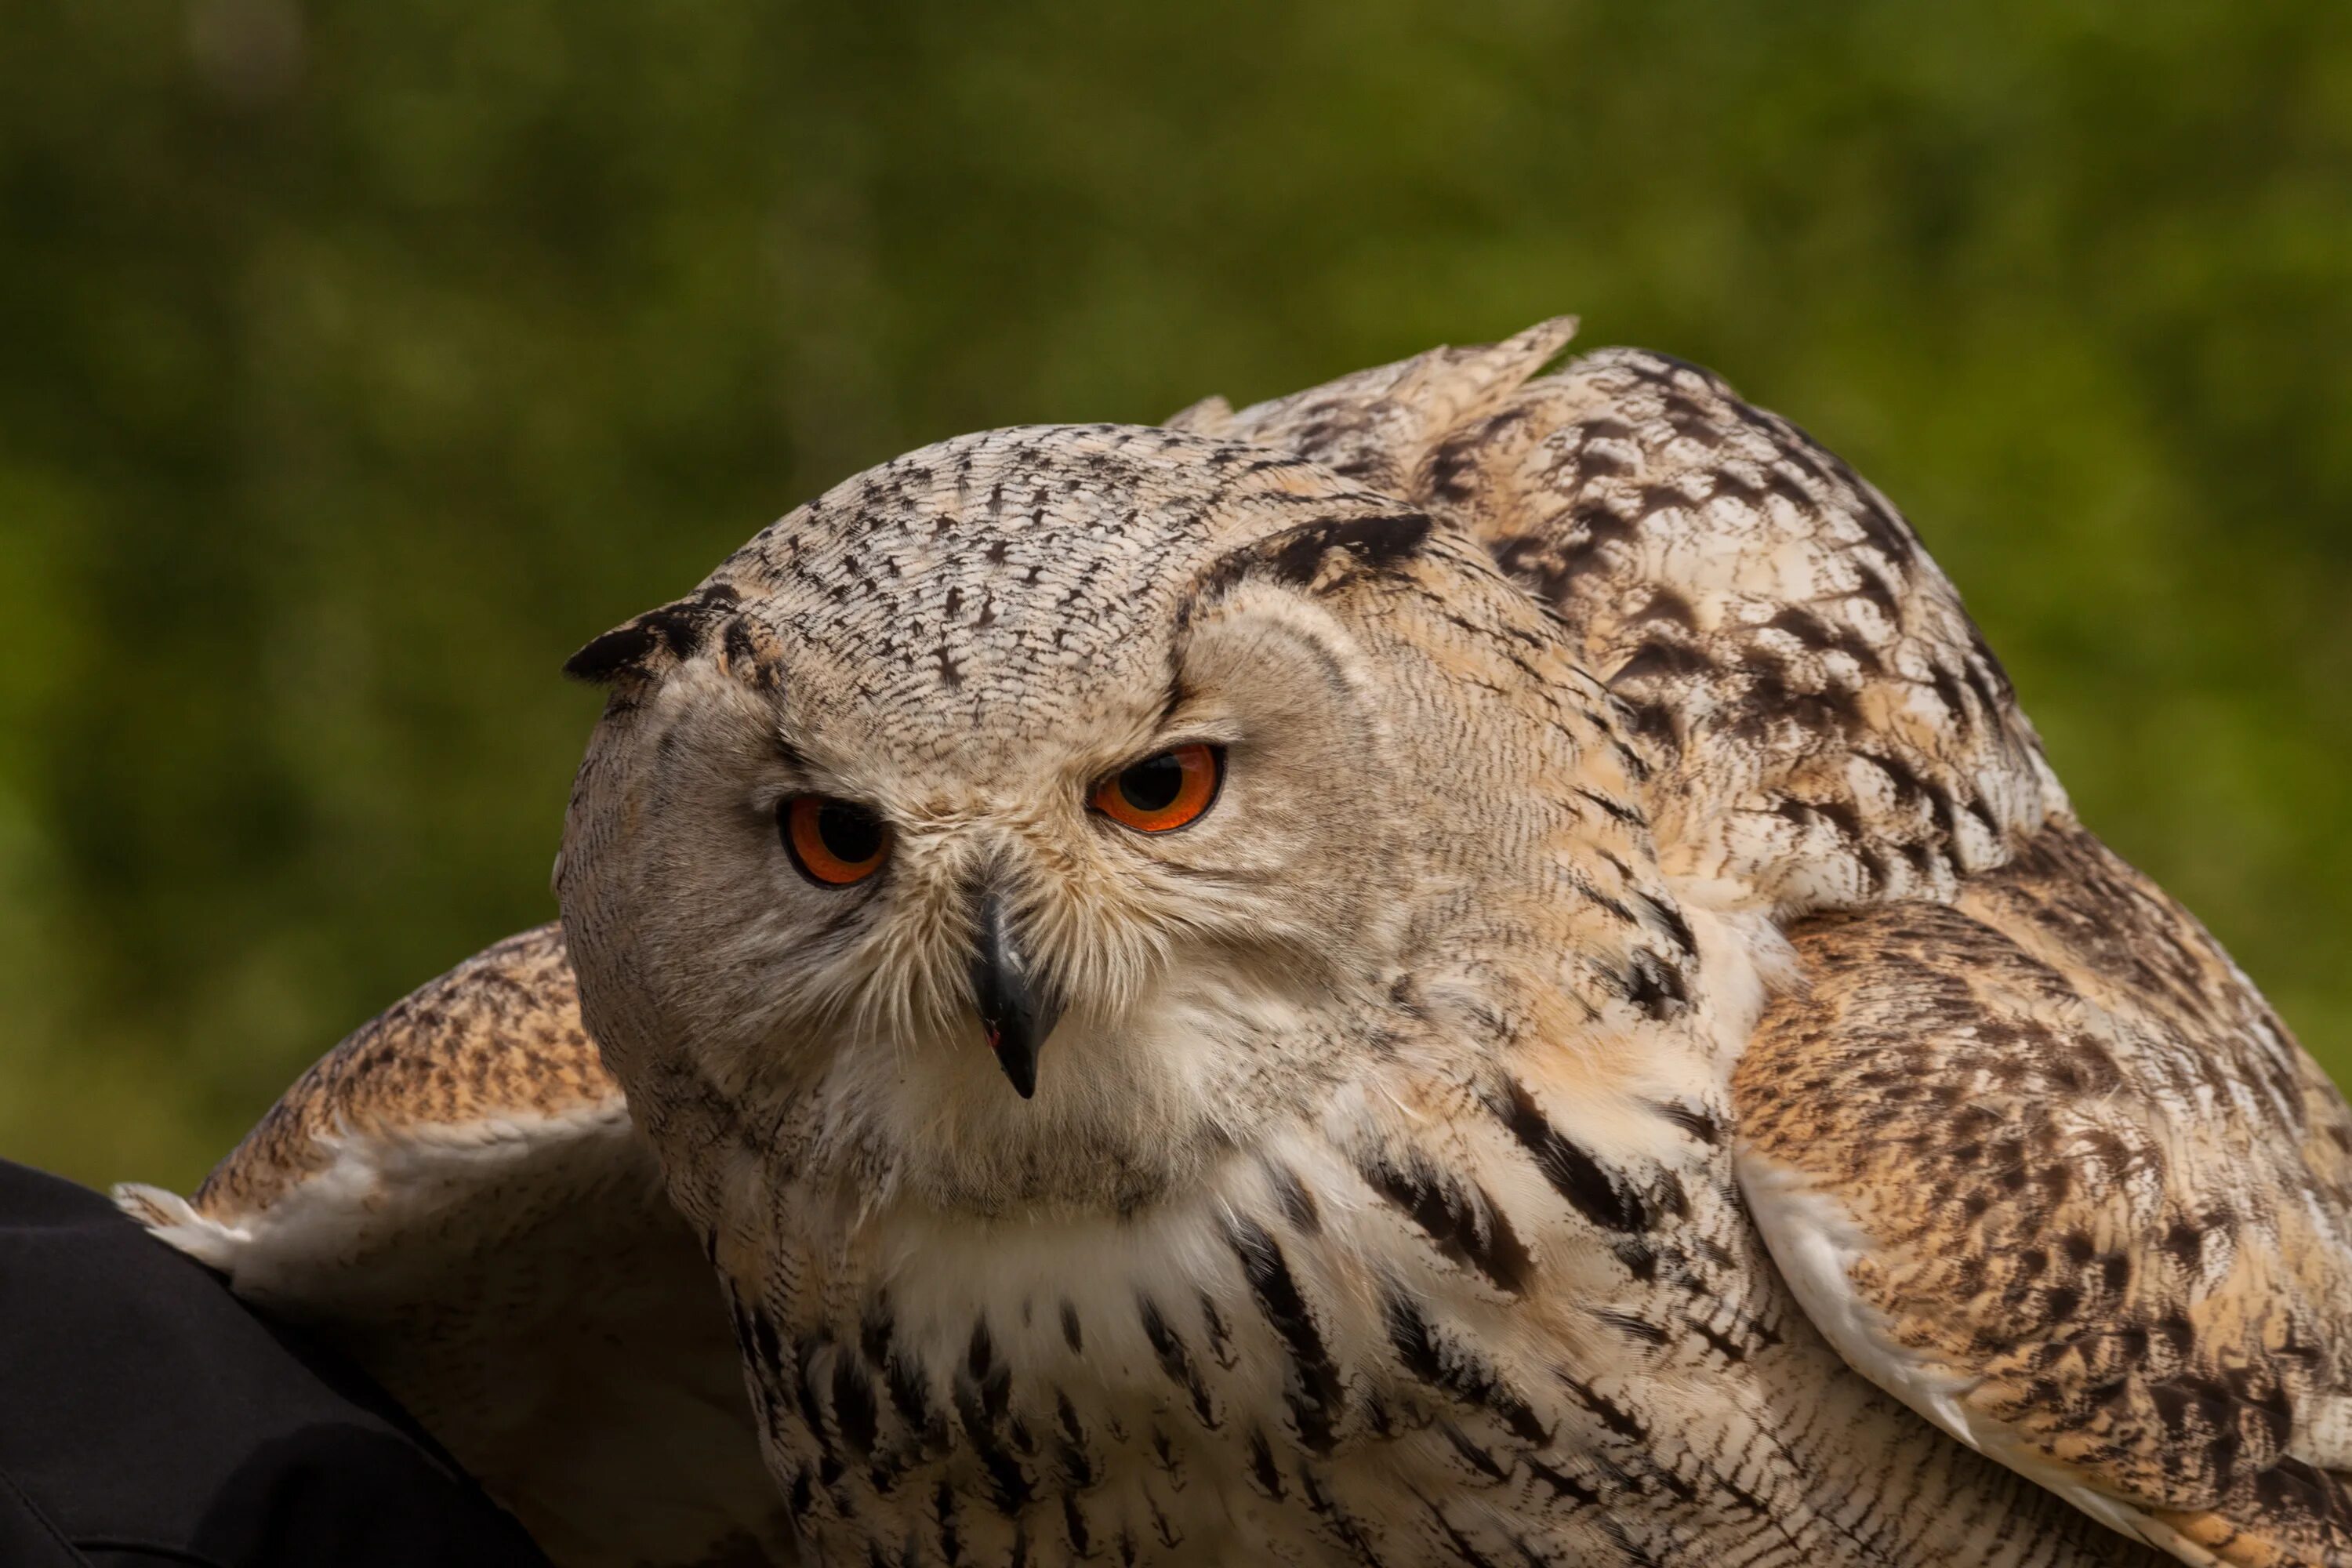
(804, 1353)
(1348, 1533)
(1461, 454)
(1176, 1360)
(902, 1379)
(982, 1389)
(743, 659)
(852, 1404)
(1691, 1120)
(1450, 1367)
(1773, 698)
(1631, 1326)
(1660, 656)
(1375, 544)
(1070, 1443)
(1665, 604)
(1634, 1553)
(1464, 1550)
(1656, 498)
(1873, 586)
(1220, 1337)
(1669, 915)
(1312, 1390)
(1624, 1423)
(1262, 1465)
(1297, 1203)
(1654, 721)
(1563, 1486)
(1948, 691)
(1008, 1484)
(1459, 1217)
(1657, 985)
(1618, 809)
(943, 1513)
(1725, 1346)
(1601, 1196)
(1481, 1459)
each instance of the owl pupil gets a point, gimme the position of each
(850, 834)
(1153, 783)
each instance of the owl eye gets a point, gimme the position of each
(833, 842)
(1161, 794)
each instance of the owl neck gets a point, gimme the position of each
(1140, 1116)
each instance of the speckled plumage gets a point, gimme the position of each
(455, 1196)
(1632, 870)
(2100, 1195)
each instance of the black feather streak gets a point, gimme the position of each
(1601, 1196)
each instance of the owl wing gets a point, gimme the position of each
(456, 1197)
(2041, 1165)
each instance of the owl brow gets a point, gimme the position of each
(1378, 545)
(1178, 694)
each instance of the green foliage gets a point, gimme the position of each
(361, 360)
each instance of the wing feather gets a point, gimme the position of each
(2041, 1165)
(456, 1197)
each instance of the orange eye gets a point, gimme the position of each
(1161, 794)
(833, 841)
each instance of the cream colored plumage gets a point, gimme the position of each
(1637, 1065)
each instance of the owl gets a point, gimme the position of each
(1476, 966)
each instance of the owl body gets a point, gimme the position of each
(1312, 1356)
(1470, 966)
(1377, 1202)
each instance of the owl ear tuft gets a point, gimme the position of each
(620, 654)
(656, 641)
(1379, 426)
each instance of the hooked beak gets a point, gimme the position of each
(1016, 1009)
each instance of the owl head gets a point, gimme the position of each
(1028, 817)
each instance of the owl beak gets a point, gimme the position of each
(1016, 1009)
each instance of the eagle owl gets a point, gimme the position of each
(1472, 965)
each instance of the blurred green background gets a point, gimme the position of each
(359, 361)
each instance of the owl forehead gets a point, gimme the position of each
(1009, 583)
